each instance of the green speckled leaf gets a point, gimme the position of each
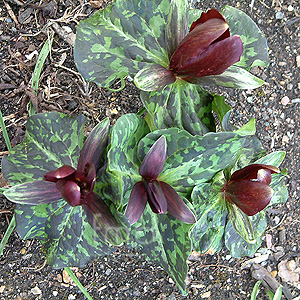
(273, 159)
(211, 214)
(123, 162)
(120, 40)
(166, 242)
(237, 246)
(52, 140)
(70, 240)
(177, 26)
(180, 105)
(192, 160)
(280, 190)
(255, 44)
(251, 151)
(241, 223)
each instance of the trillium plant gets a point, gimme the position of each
(165, 183)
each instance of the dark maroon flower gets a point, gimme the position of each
(160, 195)
(208, 49)
(249, 188)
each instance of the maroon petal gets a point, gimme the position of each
(60, 173)
(176, 207)
(137, 202)
(215, 59)
(196, 42)
(156, 197)
(101, 219)
(210, 14)
(70, 191)
(250, 172)
(154, 161)
(94, 146)
(250, 196)
(35, 192)
(90, 173)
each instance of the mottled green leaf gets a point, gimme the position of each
(177, 24)
(70, 240)
(120, 40)
(123, 162)
(211, 214)
(165, 241)
(233, 77)
(241, 223)
(251, 151)
(255, 44)
(192, 160)
(154, 12)
(180, 105)
(280, 190)
(52, 140)
(273, 159)
(237, 246)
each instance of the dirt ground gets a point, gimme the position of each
(125, 274)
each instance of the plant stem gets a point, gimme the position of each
(2, 190)
(77, 282)
(7, 234)
(5, 134)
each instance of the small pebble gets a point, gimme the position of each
(282, 236)
(71, 297)
(282, 64)
(290, 8)
(108, 272)
(279, 15)
(2, 288)
(171, 280)
(289, 86)
(285, 100)
(55, 293)
(36, 291)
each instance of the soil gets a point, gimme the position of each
(125, 274)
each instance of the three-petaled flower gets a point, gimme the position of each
(76, 187)
(208, 49)
(160, 195)
(249, 188)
